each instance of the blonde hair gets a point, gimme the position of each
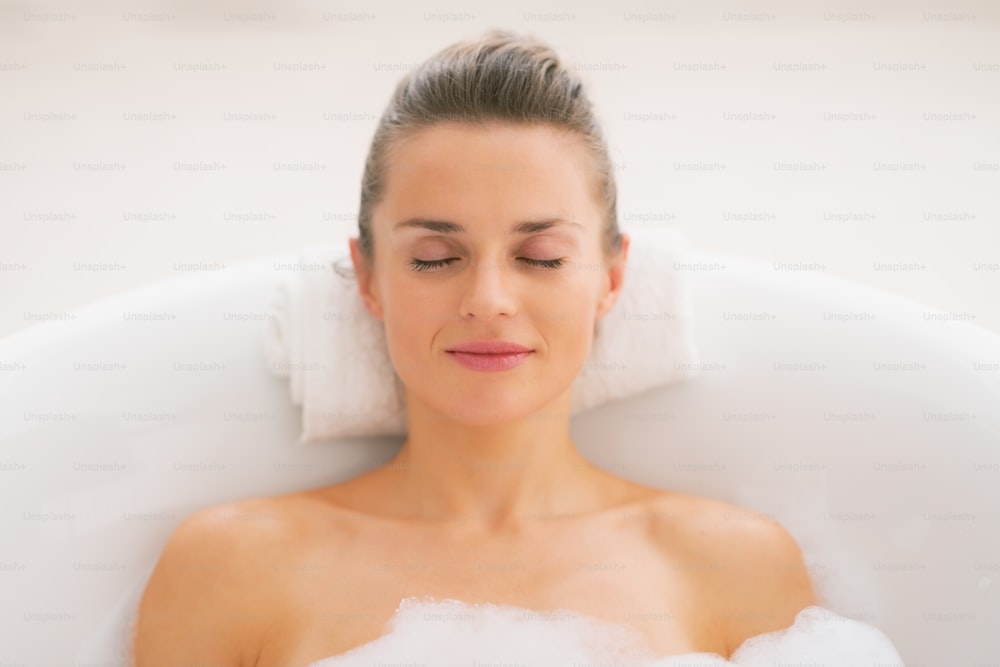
(501, 77)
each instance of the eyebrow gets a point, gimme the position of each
(445, 227)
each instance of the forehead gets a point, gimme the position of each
(502, 171)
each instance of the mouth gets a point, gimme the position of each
(490, 347)
(488, 362)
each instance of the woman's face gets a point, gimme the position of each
(478, 278)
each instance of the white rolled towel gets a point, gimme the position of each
(321, 336)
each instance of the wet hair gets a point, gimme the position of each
(501, 77)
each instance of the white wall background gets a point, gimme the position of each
(140, 141)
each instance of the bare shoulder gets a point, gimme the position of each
(751, 566)
(203, 602)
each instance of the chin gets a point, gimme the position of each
(498, 406)
(490, 408)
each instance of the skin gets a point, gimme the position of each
(485, 449)
(488, 500)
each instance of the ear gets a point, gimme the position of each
(366, 279)
(614, 279)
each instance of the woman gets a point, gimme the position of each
(489, 248)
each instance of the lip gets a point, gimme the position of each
(490, 355)
(490, 347)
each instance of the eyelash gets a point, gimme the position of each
(423, 265)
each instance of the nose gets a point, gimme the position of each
(488, 292)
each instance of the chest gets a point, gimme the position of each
(620, 576)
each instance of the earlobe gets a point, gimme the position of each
(607, 303)
(372, 305)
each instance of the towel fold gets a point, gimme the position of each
(321, 336)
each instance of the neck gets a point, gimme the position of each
(492, 478)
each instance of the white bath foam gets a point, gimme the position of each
(820, 637)
(451, 633)
(430, 631)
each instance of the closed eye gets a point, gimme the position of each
(425, 264)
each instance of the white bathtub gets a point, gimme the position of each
(880, 450)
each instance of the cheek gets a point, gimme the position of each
(567, 323)
(408, 322)
(419, 305)
(570, 304)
